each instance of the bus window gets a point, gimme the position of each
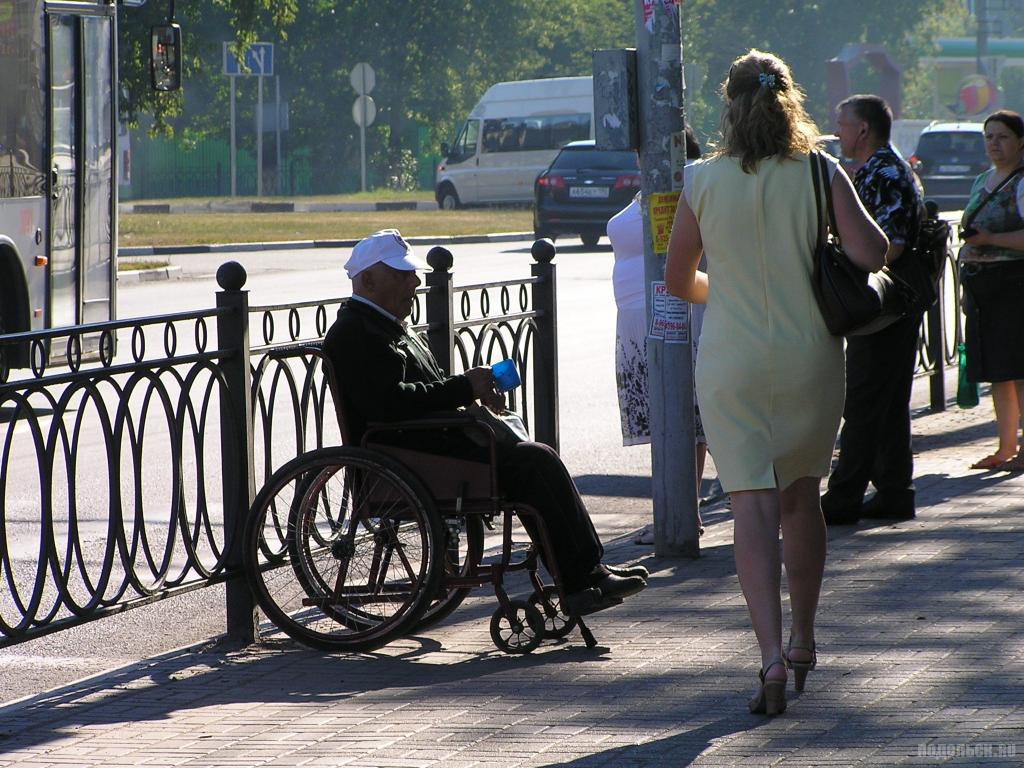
(526, 134)
(21, 116)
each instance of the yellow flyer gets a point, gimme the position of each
(663, 210)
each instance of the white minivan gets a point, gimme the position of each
(510, 136)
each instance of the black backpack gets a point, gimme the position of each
(918, 269)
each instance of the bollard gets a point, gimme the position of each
(236, 422)
(545, 369)
(440, 312)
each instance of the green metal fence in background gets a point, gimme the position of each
(171, 168)
(168, 168)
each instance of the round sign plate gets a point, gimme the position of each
(363, 78)
(364, 111)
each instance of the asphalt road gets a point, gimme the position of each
(590, 435)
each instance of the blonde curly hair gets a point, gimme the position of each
(763, 114)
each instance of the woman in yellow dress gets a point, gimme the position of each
(770, 377)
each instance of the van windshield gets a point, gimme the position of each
(595, 159)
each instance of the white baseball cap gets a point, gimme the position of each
(387, 247)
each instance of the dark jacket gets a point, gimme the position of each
(386, 373)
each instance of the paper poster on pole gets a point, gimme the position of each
(670, 316)
(663, 210)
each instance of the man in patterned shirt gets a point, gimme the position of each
(874, 445)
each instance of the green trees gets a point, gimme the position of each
(433, 59)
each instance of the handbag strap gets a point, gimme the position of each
(817, 198)
(1013, 174)
(819, 175)
(826, 182)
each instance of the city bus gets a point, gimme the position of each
(58, 193)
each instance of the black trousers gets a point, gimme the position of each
(874, 444)
(533, 473)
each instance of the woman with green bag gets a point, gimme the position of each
(992, 273)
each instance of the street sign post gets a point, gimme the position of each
(259, 61)
(364, 111)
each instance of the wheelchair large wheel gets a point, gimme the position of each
(343, 549)
(464, 548)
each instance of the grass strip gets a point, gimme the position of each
(143, 229)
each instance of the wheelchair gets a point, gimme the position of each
(347, 548)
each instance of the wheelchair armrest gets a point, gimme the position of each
(437, 420)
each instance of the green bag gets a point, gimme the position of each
(966, 391)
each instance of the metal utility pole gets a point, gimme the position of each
(638, 105)
(669, 351)
(981, 46)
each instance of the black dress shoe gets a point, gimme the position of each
(628, 570)
(839, 513)
(587, 601)
(613, 586)
(880, 507)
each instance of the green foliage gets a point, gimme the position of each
(806, 35)
(433, 60)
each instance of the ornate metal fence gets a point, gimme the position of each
(126, 479)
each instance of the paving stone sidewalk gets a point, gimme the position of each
(921, 651)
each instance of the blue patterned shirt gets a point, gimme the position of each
(891, 194)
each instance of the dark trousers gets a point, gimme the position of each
(533, 473)
(874, 444)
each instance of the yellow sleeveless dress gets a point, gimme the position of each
(770, 378)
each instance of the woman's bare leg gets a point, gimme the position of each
(1006, 399)
(756, 546)
(803, 551)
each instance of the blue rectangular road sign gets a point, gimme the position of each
(259, 58)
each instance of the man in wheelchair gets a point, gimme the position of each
(386, 373)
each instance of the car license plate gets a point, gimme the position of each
(954, 168)
(590, 192)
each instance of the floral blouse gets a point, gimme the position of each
(1000, 214)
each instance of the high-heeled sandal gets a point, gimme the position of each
(800, 668)
(771, 699)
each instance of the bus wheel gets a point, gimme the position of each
(589, 239)
(448, 198)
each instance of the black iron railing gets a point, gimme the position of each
(130, 451)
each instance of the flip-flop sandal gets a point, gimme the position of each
(1016, 464)
(991, 462)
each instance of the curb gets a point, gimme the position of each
(290, 245)
(149, 275)
(276, 206)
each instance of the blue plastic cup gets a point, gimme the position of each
(506, 376)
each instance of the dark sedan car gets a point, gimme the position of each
(581, 189)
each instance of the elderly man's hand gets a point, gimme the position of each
(482, 381)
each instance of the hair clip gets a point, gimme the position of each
(766, 80)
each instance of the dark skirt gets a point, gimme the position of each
(994, 328)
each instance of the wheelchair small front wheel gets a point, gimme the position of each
(557, 623)
(519, 630)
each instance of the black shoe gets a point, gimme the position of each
(837, 513)
(587, 601)
(628, 570)
(880, 507)
(617, 587)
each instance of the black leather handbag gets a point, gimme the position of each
(851, 300)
